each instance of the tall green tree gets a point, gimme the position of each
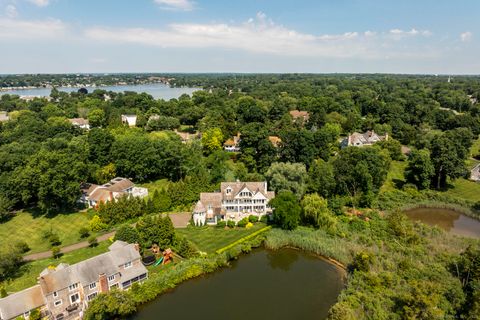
(420, 169)
(286, 210)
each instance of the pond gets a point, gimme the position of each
(447, 219)
(284, 284)
(157, 90)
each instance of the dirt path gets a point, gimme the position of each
(66, 249)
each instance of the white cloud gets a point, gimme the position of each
(11, 11)
(466, 36)
(181, 5)
(399, 33)
(40, 3)
(31, 29)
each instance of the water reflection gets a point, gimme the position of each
(282, 260)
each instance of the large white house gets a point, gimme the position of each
(234, 201)
(363, 139)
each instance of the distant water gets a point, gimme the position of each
(157, 90)
(447, 219)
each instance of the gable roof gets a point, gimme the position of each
(20, 302)
(79, 121)
(300, 114)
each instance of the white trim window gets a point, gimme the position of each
(127, 265)
(74, 298)
(55, 294)
(58, 303)
(73, 287)
(92, 285)
(111, 278)
(91, 296)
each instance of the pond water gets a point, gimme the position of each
(284, 284)
(447, 219)
(157, 90)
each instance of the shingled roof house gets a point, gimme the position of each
(234, 201)
(363, 139)
(93, 194)
(64, 292)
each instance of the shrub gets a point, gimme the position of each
(128, 234)
(231, 224)
(252, 218)
(96, 224)
(249, 225)
(22, 246)
(221, 224)
(185, 248)
(3, 292)
(264, 219)
(84, 232)
(242, 223)
(362, 261)
(34, 315)
(54, 239)
(92, 241)
(56, 252)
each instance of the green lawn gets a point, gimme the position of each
(30, 271)
(210, 239)
(475, 149)
(395, 176)
(155, 185)
(465, 189)
(29, 227)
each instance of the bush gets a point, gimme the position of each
(264, 219)
(252, 218)
(92, 241)
(3, 292)
(54, 239)
(231, 224)
(96, 224)
(35, 315)
(128, 234)
(83, 232)
(242, 223)
(185, 248)
(56, 252)
(22, 246)
(221, 224)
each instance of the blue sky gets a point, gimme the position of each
(323, 36)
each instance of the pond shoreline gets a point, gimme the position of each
(470, 212)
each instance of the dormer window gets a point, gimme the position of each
(228, 190)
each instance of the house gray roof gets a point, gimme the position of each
(18, 303)
(88, 271)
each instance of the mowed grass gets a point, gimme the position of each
(31, 270)
(465, 189)
(395, 176)
(209, 238)
(155, 185)
(30, 228)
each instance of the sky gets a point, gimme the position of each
(312, 36)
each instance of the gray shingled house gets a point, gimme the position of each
(64, 292)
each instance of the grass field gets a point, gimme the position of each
(465, 189)
(210, 239)
(155, 185)
(395, 176)
(30, 271)
(30, 228)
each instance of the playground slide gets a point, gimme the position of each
(159, 261)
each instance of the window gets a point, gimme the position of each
(55, 294)
(74, 298)
(127, 265)
(57, 303)
(93, 285)
(91, 296)
(228, 190)
(73, 286)
(111, 278)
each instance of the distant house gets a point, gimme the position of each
(475, 173)
(93, 194)
(4, 116)
(362, 139)
(232, 144)
(234, 201)
(275, 141)
(80, 122)
(186, 136)
(64, 292)
(300, 116)
(129, 119)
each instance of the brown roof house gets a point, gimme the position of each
(300, 116)
(232, 144)
(275, 141)
(65, 291)
(363, 139)
(234, 201)
(80, 122)
(93, 194)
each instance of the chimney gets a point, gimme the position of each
(137, 247)
(102, 280)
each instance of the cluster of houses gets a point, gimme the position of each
(64, 292)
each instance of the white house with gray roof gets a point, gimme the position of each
(234, 201)
(65, 291)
